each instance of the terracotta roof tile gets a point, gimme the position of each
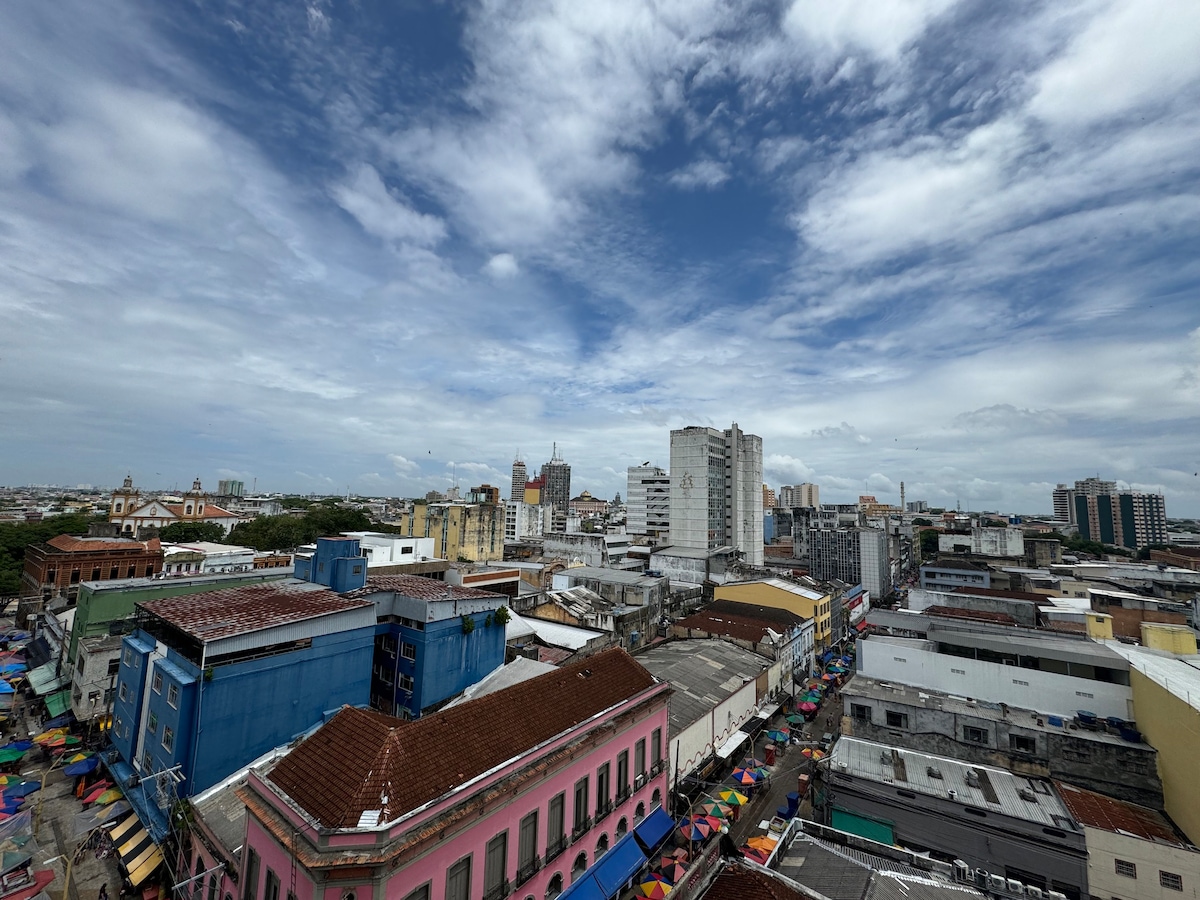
(954, 612)
(742, 621)
(362, 761)
(212, 615)
(70, 544)
(737, 882)
(1107, 813)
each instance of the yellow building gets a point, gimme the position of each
(780, 594)
(463, 532)
(1166, 705)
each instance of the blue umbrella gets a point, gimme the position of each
(18, 745)
(24, 789)
(67, 718)
(83, 767)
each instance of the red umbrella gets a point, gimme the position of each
(672, 869)
(96, 790)
(751, 762)
(754, 854)
(696, 828)
(746, 776)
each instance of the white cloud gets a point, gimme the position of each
(881, 29)
(402, 465)
(703, 173)
(383, 213)
(502, 265)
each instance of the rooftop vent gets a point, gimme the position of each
(972, 778)
(933, 772)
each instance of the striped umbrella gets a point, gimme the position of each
(746, 776)
(711, 807)
(733, 798)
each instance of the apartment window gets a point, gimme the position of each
(555, 887)
(168, 741)
(124, 692)
(1126, 868)
(556, 837)
(212, 887)
(406, 682)
(113, 573)
(271, 889)
(173, 695)
(1022, 743)
(580, 823)
(152, 724)
(860, 712)
(158, 682)
(114, 666)
(1018, 681)
(656, 746)
(527, 848)
(458, 880)
(1170, 881)
(250, 886)
(407, 650)
(128, 656)
(622, 775)
(639, 758)
(95, 573)
(973, 735)
(421, 893)
(131, 572)
(603, 803)
(495, 867)
(897, 720)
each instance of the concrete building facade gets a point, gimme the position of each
(716, 490)
(648, 501)
(851, 555)
(461, 531)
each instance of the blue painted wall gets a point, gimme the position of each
(447, 661)
(246, 708)
(338, 563)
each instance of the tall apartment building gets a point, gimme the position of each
(716, 490)
(557, 489)
(769, 500)
(852, 555)
(805, 494)
(1125, 518)
(648, 501)
(1065, 509)
(519, 477)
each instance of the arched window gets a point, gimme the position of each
(656, 798)
(553, 889)
(212, 886)
(640, 812)
(602, 846)
(579, 868)
(117, 508)
(187, 511)
(622, 827)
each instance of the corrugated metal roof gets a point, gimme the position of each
(213, 616)
(419, 588)
(1109, 814)
(702, 673)
(992, 789)
(559, 635)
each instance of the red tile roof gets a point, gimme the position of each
(749, 623)
(363, 761)
(212, 615)
(69, 544)
(738, 882)
(1109, 814)
(423, 588)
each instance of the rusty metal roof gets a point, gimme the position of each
(419, 588)
(1109, 814)
(213, 615)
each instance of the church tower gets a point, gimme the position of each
(124, 500)
(193, 502)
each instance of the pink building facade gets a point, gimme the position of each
(514, 794)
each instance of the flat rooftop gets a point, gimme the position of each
(613, 576)
(998, 791)
(702, 673)
(419, 588)
(1180, 675)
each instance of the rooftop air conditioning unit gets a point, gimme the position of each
(1057, 895)
(1034, 893)
(1015, 887)
(981, 878)
(997, 884)
(972, 778)
(962, 872)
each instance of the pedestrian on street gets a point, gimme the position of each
(103, 895)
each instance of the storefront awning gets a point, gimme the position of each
(863, 826)
(139, 854)
(653, 830)
(618, 865)
(58, 702)
(44, 680)
(767, 711)
(586, 888)
(736, 740)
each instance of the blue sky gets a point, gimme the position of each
(382, 245)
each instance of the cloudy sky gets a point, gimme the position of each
(380, 245)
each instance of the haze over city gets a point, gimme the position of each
(384, 247)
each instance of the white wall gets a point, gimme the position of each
(1105, 847)
(698, 741)
(909, 662)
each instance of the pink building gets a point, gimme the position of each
(515, 794)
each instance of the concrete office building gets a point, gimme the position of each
(520, 476)
(716, 490)
(556, 490)
(806, 494)
(852, 555)
(648, 501)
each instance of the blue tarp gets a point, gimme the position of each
(618, 865)
(585, 888)
(827, 657)
(653, 830)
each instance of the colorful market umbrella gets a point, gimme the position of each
(733, 798)
(762, 842)
(48, 735)
(673, 870)
(62, 740)
(655, 888)
(7, 779)
(8, 755)
(757, 856)
(83, 767)
(110, 796)
(808, 706)
(95, 790)
(711, 807)
(778, 735)
(695, 828)
(24, 789)
(795, 719)
(827, 677)
(752, 762)
(807, 752)
(78, 756)
(746, 776)
(18, 745)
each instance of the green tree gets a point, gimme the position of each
(16, 536)
(185, 532)
(289, 532)
(929, 543)
(920, 521)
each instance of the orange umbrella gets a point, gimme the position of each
(655, 888)
(47, 735)
(762, 842)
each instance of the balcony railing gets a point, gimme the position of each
(499, 892)
(581, 828)
(554, 848)
(528, 870)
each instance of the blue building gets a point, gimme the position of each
(338, 563)
(433, 640)
(209, 682)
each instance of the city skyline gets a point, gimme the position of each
(377, 248)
